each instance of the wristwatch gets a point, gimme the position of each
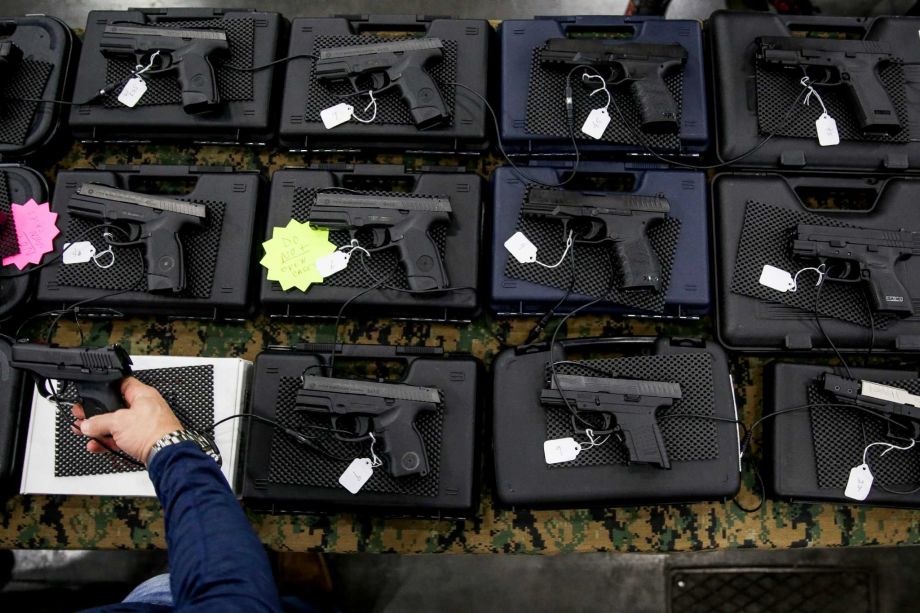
(180, 436)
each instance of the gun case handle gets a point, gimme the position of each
(180, 14)
(606, 341)
(6, 371)
(371, 352)
(602, 170)
(837, 184)
(599, 23)
(803, 23)
(384, 23)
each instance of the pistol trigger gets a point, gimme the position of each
(362, 425)
(379, 81)
(380, 237)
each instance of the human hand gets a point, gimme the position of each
(133, 430)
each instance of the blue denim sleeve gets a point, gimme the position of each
(216, 562)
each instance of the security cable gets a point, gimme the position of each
(570, 120)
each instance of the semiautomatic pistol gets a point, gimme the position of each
(399, 64)
(96, 373)
(643, 66)
(152, 221)
(623, 219)
(399, 221)
(388, 410)
(186, 50)
(632, 403)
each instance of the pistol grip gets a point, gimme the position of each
(639, 265)
(403, 448)
(420, 256)
(421, 95)
(165, 263)
(645, 444)
(657, 111)
(887, 293)
(874, 110)
(199, 85)
(99, 398)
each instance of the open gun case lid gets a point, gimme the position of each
(751, 100)
(244, 115)
(532, 102)
(687, 293)
(754, 217)
(14, 396)
(17, 185)
(809, 453)
(703, 453)
(30, 129)
(465, 60)
(218, 255)
(281, 475)
(293, 194)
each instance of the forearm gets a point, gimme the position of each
(215, 557)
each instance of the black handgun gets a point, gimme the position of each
(400, 221)
(631, 402)
(874, 252)
(852, 63)
(153, 221)
(623, 219)
(187, 50)
(96, 373)
(892, 402)
(643, 66)
(388, 410)
(10, 58)
(399, 64)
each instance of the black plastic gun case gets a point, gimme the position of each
(206, 274)
(18, 184)
(703, 453)
(36, 57)
(865, 231)
(284, 474)
(453, 60)
(679, 240)
(15, 394)
(863, 69)
(659, 65)
(441, 247)
(213, 52)
(809, 453)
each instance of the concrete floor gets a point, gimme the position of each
(489, 583)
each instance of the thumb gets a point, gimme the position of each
(98, 426)
(132, 389)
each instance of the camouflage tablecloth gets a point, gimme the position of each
(103, 522)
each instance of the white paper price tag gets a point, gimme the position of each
(336, 115)
(330, 264)
(776, 278)
(78, 253)
(521, 248)
(356, 475)
(596, 123)
(132, 91)
(860, 483)
(827, 131)
(561, 450)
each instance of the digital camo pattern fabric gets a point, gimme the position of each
(94, 522)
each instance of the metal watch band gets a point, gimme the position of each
(180, 436)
